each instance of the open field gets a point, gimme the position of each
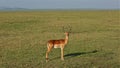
(93, 43)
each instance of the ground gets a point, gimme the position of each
(93, 41)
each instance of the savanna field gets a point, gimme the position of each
(94, 41)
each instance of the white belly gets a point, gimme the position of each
(57, 46)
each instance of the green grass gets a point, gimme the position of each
(93, 43)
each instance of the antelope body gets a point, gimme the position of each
(57, 44)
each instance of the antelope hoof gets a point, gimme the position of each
(46, 59)
(62, 59)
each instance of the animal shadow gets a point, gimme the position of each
(79, 53)
(76, 54)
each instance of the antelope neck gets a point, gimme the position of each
(66, 39)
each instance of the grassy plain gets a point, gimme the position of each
(93, 43)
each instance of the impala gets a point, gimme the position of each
(60, 43)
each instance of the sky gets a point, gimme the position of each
(61, 4)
